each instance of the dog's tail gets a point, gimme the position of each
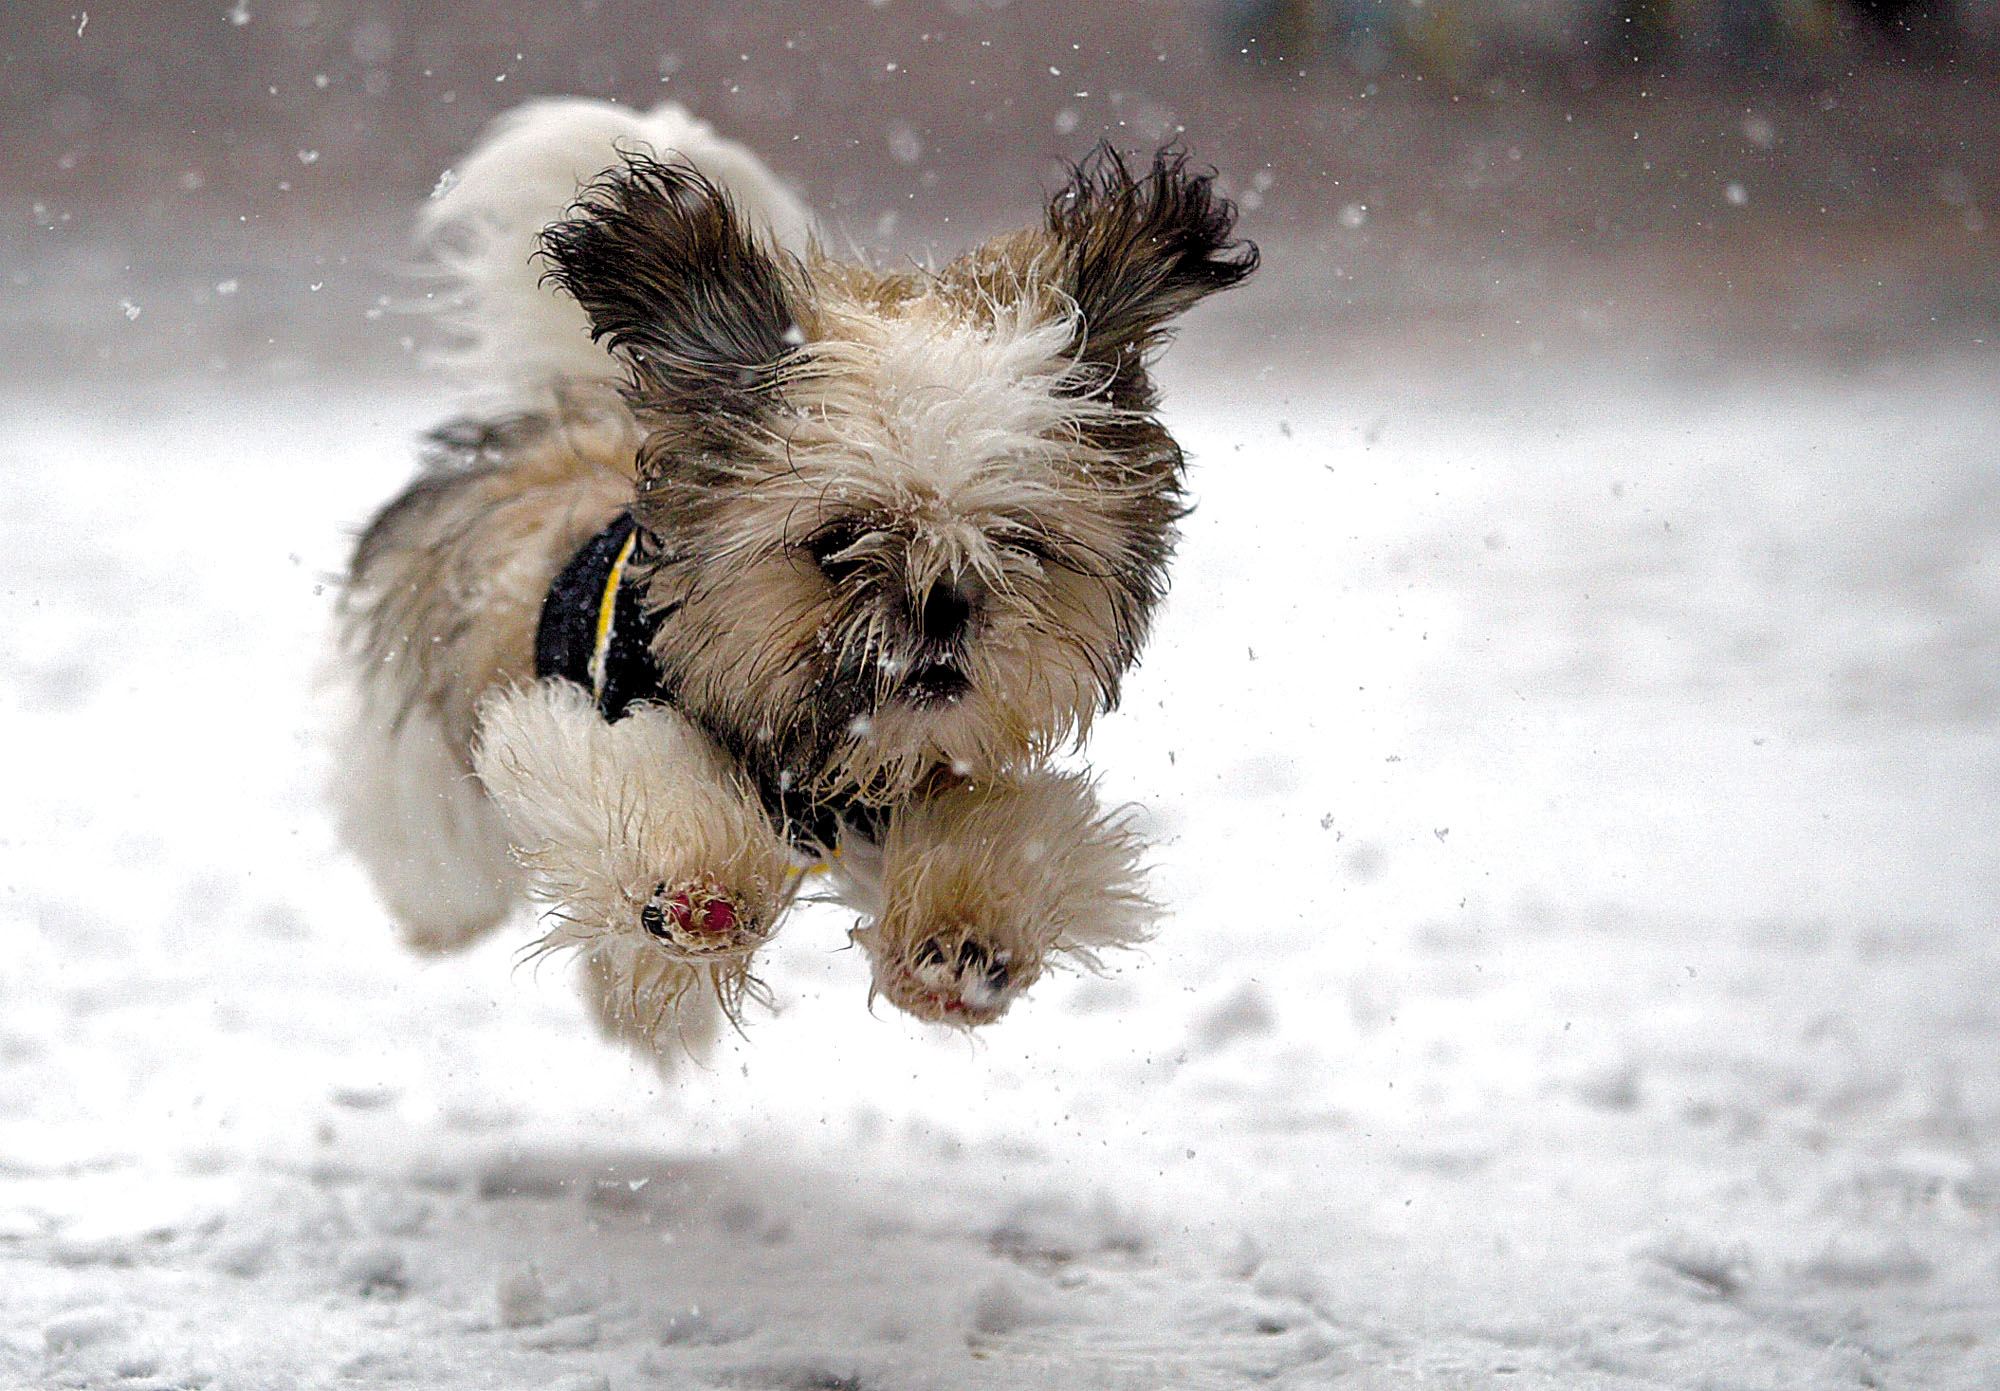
(518, 335)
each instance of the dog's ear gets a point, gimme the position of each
(1137, 250)
(677, 285)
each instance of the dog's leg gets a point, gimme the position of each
(655, 857)
(430, 838)
(981, 883)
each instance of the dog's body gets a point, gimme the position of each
(864, 548)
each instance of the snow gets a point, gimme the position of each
(1574, 796)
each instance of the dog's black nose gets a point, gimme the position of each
(946, 611)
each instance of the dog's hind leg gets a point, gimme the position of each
(432, 841)
(981, 883)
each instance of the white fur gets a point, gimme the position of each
(433, 843)
(483, 227)
(968, 417)
(601, 813)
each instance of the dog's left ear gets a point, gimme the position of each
(1138, 250)
(677, 285)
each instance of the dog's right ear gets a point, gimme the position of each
(675, 284)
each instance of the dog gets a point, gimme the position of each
(751, 561)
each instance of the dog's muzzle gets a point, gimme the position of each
(936, 672)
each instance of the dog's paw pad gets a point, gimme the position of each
(697, 917)
(951, 979)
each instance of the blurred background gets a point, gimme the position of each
(225, 185)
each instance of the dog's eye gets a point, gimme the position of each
(1033, 544)
(829, 547)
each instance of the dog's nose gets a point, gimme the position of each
(947, 609)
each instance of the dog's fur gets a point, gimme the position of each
(902, 533)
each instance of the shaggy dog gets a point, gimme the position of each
(754, 560)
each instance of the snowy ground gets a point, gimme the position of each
(1576, 801)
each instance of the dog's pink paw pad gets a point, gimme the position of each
(703, 915)
(695, 917)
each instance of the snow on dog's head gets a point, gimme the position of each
(898, 520)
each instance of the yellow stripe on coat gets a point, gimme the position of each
(607, 610)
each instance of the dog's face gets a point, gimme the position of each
(899, 521)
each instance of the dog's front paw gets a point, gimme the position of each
(980, 887)
(700, 920)
(955, 977)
